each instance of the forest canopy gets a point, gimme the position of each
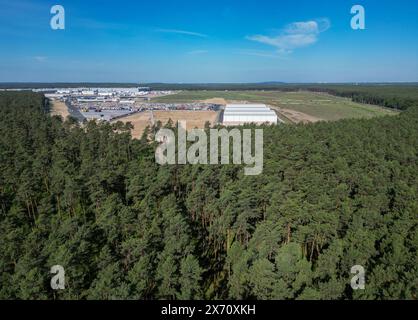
(92, 199)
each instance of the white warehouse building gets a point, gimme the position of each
(236, 114)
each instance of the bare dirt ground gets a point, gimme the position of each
(59, 108)
(239, 102)
(139, 120)
(194, 119)
(215, 101)
(296, 116)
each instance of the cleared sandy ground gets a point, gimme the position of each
(139, 120)
(194, 119)
(296, 116)
(59, 108)
(215, 101)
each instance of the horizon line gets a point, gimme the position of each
(204, 83)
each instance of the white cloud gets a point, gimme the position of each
(185, 32)
(295, 35)
(302, 27)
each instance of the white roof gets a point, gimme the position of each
(248, 110)
(248, 113)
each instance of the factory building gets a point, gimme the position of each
(236, 114)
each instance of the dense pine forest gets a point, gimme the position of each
(92, 199)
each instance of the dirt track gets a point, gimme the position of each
(59, 109)
(215, 101)
(296, 116)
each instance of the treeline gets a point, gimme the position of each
(389, 96)
(331, 196)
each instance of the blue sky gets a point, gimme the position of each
(209, 41)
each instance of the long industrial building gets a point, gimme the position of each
(236, 114)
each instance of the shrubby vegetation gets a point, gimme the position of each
(332, 195)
